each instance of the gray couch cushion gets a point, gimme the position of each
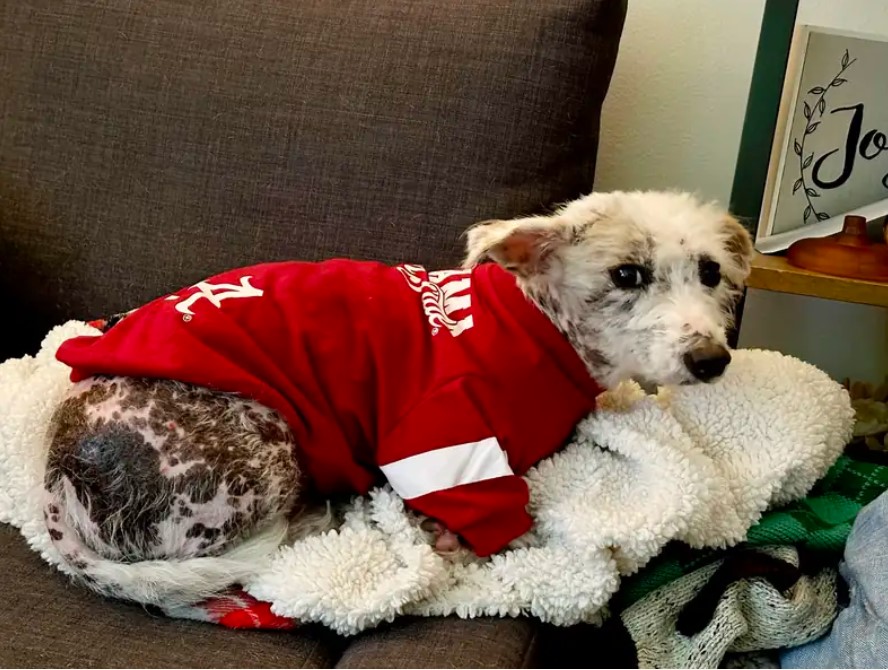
(446, 643)
(144, 146)
(46, 622)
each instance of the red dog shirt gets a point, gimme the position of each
(451, 384)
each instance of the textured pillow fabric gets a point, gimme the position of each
(147, 145)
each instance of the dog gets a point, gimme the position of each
(166, 482)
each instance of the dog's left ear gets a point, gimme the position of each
(738, 244)
(521, 246)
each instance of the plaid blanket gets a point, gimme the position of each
(819, 523)
(235, 609)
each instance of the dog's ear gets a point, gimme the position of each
(521, 246)
(738, 244)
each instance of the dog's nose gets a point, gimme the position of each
(707, 361)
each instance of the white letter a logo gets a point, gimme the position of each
(216, 293)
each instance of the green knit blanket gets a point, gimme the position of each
(819, 522)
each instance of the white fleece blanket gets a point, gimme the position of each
(697, 464)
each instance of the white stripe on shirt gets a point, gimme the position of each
(447, 468)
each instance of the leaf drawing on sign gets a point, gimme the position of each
(813, 113)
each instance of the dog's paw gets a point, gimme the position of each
(621, 398)
(446, 543)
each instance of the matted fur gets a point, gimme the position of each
(164, 493)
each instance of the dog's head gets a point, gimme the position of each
(643, 284)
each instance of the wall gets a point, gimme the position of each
(675, 108)
(673, 120)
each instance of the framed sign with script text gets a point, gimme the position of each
(830, 151)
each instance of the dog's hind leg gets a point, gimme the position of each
(165, 493)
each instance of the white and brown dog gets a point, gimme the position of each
(182, 455)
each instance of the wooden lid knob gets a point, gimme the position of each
(854, 225)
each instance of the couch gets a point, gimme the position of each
(146, 145)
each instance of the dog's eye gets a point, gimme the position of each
(630, 276)
(710, 273)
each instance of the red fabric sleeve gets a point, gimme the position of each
(487, 514)
(444, 460)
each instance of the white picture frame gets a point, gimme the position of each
(835, 94)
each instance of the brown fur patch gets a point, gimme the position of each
(739, 243)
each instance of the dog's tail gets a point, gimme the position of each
(165, 583)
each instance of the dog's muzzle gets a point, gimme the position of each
(707, 360)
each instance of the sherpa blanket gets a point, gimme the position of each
(698, 464)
